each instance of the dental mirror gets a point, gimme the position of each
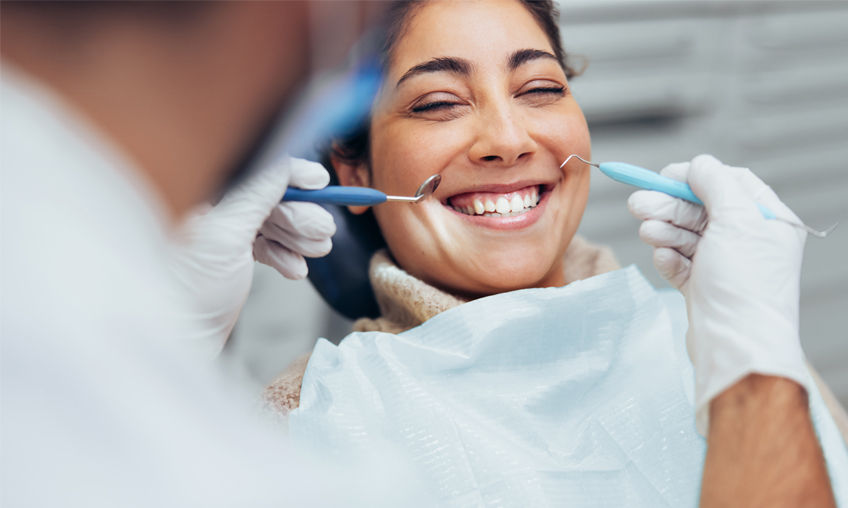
(424, 191)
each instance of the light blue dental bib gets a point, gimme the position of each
(574, 396)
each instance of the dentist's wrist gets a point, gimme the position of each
(762, 448)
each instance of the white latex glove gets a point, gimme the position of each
(214, 261)
(739, 272)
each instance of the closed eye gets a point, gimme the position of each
(560, 90)
(433, 106)
(545, 94)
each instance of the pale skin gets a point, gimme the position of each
(490, 127)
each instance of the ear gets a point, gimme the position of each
(352, 175)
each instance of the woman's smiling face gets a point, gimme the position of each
(474, 93)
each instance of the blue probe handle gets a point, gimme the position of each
(337, 195)
(647, 179)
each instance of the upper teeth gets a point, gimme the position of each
(502, 206)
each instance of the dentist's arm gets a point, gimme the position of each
(762, 449)
(740, 275)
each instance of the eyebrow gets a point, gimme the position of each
(522, 56)
(463, 67)
(450, 64)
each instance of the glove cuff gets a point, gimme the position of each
(710, 386)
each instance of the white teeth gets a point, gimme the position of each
(478, 207)
(516, 204)
(503, 207)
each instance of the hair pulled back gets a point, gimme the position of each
(354, 147)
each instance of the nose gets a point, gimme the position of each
(502, 138)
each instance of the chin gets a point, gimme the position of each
(504, 274)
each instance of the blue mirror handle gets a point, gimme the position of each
(648, 180)
(337, 195)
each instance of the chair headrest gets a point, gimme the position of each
(341, 277)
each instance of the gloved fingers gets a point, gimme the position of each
(291, 265)
(308, 175)
(307, 220)
(672, 266)
(291, 240)
(304, 228)
(645, 205)
(721, 189)
(676, 171)
(765, 195)
(662, 234)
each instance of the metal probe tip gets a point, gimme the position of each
(581, 158)
(820, 234)
(424, 191)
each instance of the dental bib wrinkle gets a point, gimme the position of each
(529, 398)
(578, 396)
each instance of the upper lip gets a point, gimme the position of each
(497, 188)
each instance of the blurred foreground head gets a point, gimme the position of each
(186, 89)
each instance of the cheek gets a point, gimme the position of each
(565, 133)
(397, 222)
(400, 162)
(407, 153)
(562, 133)
(411, 238)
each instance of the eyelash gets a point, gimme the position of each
(559, 90)
(433, 106)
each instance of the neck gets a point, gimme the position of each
(406, 302)
(554, 278)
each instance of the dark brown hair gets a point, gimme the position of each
(354, 147)
(342, 276)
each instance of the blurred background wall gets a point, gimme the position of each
(756, 83)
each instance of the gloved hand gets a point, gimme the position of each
(213, 262)
(740, 274)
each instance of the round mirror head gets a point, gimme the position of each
(428, 187)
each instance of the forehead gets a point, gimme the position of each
(484, 32)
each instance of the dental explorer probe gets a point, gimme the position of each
(359, 196)
(647, 179)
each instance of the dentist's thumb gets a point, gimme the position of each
(307, 174)
(243, 209)
(722, 189)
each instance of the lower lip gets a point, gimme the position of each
(522, 221)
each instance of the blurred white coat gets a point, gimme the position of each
(101, 406)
